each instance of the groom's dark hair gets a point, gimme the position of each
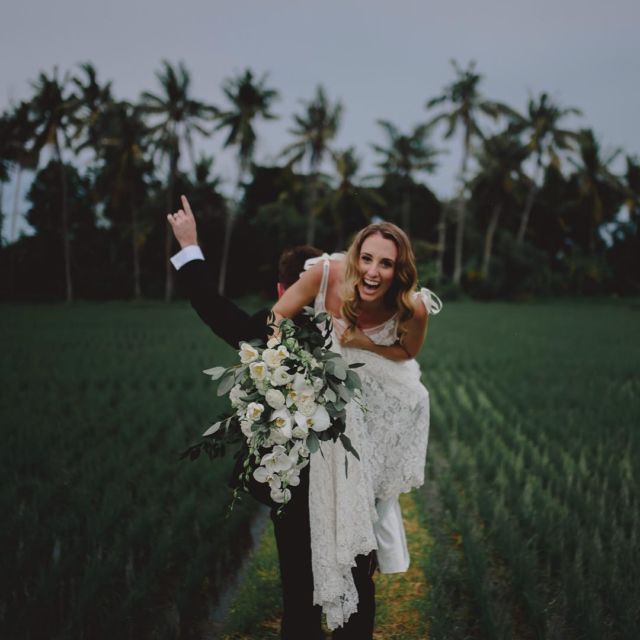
(291, 263)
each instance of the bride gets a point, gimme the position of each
(379, 319)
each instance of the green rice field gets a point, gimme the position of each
(530, 512)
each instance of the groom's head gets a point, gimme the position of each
(291, 264)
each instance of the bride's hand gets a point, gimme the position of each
(356, 340)
(183, 224)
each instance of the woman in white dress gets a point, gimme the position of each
(379, 319)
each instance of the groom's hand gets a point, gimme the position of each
(183, 225)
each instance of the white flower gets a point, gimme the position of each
(280, 376)
(275, 398)
(254, 411)
(258, 370)
(319, 421)
(277, 460)
(235, 395)
(272, 358)
(281, 420)
(247, 353)
(307, 406)
(282, 352)
(317, 384)
(280, 495)
(273, 342)
(292, 477)
(300, 430)
(245, 427)
(262, 475)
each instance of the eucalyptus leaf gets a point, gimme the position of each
(312, 442)
(215, 372)
(346, 443)
(226, 384)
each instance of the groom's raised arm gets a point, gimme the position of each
(221, 315)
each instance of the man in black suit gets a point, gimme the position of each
(301, 619)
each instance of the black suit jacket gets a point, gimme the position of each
(223, 317)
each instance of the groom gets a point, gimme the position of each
(301, 619)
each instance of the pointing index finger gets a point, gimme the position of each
(186, 205)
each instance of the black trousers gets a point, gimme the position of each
(301, 619)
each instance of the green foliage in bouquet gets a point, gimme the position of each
(286, 397)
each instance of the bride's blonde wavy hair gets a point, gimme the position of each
(405, 277)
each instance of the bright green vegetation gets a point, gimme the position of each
(533, 469)
(530, 513)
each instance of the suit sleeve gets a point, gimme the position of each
(222, 316)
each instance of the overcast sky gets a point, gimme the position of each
(381, 58)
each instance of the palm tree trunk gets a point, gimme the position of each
(528, 205)
(311, 219)
(226, 245)
(135, 253)
(457, 260)
(66, 241)
(228, 229)
(168, 238)
(488, 239)
(442, 239)
(461, 213)
(16, 204)
(406, 211)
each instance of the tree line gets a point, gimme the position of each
(537, 208)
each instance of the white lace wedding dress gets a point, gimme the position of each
(356, 513)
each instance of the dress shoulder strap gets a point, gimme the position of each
(432, 303)
(325, 258)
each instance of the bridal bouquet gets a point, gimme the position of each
(285, 396)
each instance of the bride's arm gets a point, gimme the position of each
(411, 345)
(300, 294)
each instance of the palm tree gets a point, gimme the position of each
(122, 135)
(93, 101)
(600, 191)
(465, 104)
(314, 130)
(500, 160)
(249, 99)
(404, 156)
(546, 140)
(52, 111)
(175, 116)
(16, 133)
(351, 205)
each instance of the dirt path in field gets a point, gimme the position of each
(400, 598)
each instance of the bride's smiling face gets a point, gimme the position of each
(376, 264)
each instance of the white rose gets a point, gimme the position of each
(319, 421)
(247, 353)
(258, 370)
(280, 376)
(307, 406)
(271, 357)
(234, 396)
(245, 427)
(254, 411)
(300, 431)
(275, 399)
